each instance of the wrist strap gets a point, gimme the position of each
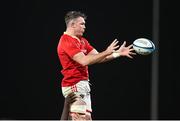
(115, 54)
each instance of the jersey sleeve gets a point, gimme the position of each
(70, 47)
(89, 47)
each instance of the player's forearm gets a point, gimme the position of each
(110, 57)
(65, 112)
(95, 58)
(106, 59)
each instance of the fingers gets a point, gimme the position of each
(71, 94)
(72, 97)
(113, 46)
(114, 42)
(124, 44)
(129, 56)
(131, 53)
(131, 49)
(130, 46)
(126, 51)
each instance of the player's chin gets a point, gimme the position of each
(81, 34)
(82, 31)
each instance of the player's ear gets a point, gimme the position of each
(73, 24)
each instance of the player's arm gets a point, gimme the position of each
(95, 58)
(68, 101)
(105, 59)
(122, 51)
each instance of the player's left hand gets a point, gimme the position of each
(126, 51)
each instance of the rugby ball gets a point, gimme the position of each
(143, 46)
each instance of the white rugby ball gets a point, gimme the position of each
(143, 46)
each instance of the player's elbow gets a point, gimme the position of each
(82, 62)
(81, 59)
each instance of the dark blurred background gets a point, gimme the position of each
(121, 89)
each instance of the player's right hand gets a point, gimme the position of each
(112, 47)
(71, 98)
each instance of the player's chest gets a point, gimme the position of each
(82, 46)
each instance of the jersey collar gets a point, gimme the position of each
(72, 36)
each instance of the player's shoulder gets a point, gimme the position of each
(84, 39)
(65, 38)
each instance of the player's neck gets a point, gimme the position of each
(71, 33)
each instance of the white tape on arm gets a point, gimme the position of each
(115, 54)
(78, 108)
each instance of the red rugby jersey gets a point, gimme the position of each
(72, 71)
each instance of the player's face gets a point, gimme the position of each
(79, 26)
